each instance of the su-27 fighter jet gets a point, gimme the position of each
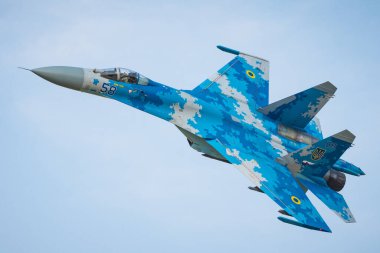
(278, 146)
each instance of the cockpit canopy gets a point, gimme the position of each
(123, 75)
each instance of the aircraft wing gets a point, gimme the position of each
(277, 182)
(244, 79)
(239, 87)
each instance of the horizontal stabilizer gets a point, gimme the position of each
(318, 158)
(275, 181)
(299, 109)
(299, 224)
(331, 199)
(349, 168)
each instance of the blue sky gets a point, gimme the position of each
(80, 173)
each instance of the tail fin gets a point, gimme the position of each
(299, 109)
(316, 159)
(314, 128)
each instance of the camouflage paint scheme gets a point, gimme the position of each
(227, 117)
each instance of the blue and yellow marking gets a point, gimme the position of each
(118, 85)
(250, 74)
(295, 200)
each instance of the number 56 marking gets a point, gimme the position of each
(106, 88)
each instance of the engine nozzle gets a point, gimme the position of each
(335, 180)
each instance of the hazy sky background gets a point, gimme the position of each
(80, 173)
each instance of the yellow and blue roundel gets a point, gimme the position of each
(250, 74)
(296, 200)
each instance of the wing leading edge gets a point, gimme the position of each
(277, 182)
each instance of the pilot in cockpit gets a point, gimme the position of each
(123, 75)
(128, 76)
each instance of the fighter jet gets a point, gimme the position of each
(278, 146)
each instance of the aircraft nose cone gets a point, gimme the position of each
(69, 77)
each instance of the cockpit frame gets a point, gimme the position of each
(123, 75)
